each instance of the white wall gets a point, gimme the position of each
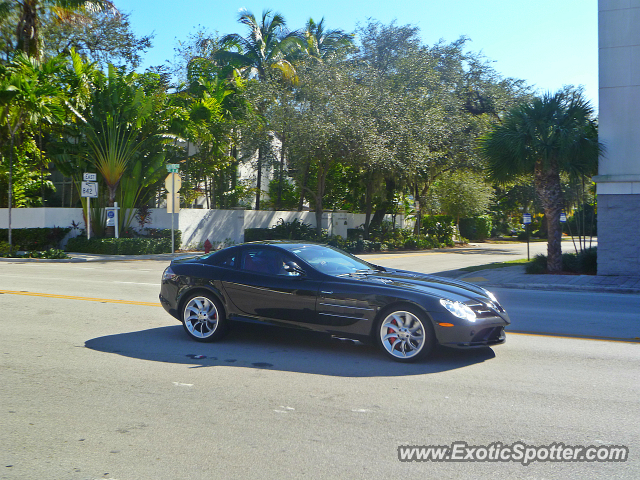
(196, 225)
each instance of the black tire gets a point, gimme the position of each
(404, 334)
(203, 318)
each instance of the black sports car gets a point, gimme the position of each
(318, 287)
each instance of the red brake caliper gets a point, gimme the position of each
(389, 330)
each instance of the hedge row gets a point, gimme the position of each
(34, 238)
(121, 246)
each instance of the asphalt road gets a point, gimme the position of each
(99, 382)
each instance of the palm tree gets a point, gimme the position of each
(319, 43)
(28, 30)
(264, 51)
(261, 54)
(546, 136)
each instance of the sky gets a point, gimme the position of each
(548, 43)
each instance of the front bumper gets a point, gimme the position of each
(485, 332)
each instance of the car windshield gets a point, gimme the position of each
(332, 261)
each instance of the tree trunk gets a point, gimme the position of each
(259, 179)
(547, 183)
(368, 201)
(27, 31)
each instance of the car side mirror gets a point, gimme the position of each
(292, 268)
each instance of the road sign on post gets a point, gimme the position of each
(173, 167)
(112, 217)
(526, 219)
(89, 189)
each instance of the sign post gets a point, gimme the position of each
(173, 183)
(112, 217)
(526, 219)
(89, 190)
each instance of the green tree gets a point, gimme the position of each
(549, 135)
(29, 95)
(462, 194)
(263, 54)
(31, 14)
(100, 36)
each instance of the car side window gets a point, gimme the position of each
(264, 260)
(227, 260)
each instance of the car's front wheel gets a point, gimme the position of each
(405, 334)
(203, 318)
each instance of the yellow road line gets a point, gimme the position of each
(73, 297)
(576, 337)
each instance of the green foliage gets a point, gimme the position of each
(476, 228)
(295, 230)
(119, 246)
(585, 263)
(441, 227)
(34, 238)
(289, 196)
(4, 247)
(52, 254)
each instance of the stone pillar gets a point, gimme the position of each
(618, 180)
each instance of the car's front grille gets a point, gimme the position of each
(488, 336)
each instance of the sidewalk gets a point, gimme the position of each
(515, 277)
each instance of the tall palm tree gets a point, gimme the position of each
(265, 51)
(31, 12)
(546, 136)
(319, 43)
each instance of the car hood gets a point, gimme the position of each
(430, 284)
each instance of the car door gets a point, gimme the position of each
(261, 287)
(345, 303)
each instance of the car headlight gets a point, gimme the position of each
(168, 274)
(459, 309)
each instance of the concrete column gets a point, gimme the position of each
(618, 180)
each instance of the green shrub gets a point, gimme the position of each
(120, 246)
(34, 238)
(52, 253)
(483, 227)
(439, 226)
(585, 262)
(4, 248)
(468, 228)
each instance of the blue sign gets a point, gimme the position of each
(563, 217)
(111, 214)
(526, 218)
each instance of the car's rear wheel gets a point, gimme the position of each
(405, 334)
(203, 318)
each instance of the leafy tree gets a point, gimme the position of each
(463, 194)
(549, 135)
(31, 13)
(262, 54)
(100, 36)
(29, 95)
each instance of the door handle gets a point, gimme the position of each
(326, 292)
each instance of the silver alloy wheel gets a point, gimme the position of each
(402, 334)
(201, 317)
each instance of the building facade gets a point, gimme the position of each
(618, 180)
